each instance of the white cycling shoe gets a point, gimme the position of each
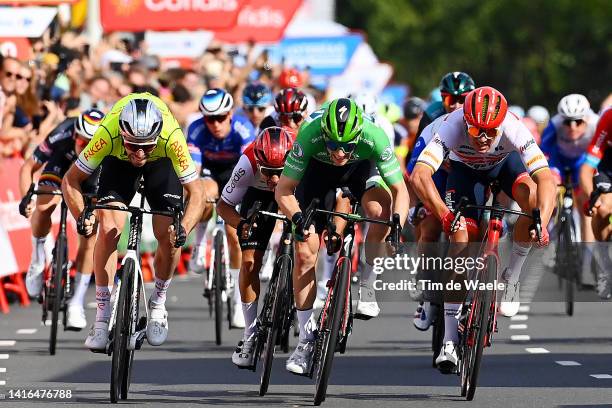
(423, 316)
(367, 307)
(98, 337)
(157, 326)
(197, 262)
(238, 317)
(244, 354)
(300, 361)
(510, 301)
(34, 280)
(75, 318)
(447, 359)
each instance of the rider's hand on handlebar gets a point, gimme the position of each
(177, 240)
(588, 210)
(336, 241)
(447, 222)
(544, 239)
(86, 224)
(26, 209)
(242, 230)
(299, 232)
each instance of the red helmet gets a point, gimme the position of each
(272, 146)
(290, 100)
(290, 78)
(485, 108)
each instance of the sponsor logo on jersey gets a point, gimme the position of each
(535, 159)
(297, 150)
(386, 154)
(293, 166)
(524, 147)
(181, 155)
(431, 156)
(243, 131)
(59, 136)
(168, 195)
(94, 148)
(233, 182)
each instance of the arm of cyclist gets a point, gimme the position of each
(546, 193)
(73, 197)
(243, 176)
(26, 173)
(288, 204)
(193, 197)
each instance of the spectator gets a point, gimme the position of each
(15, 127)
(98, 94)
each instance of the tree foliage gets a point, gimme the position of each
(534, 51)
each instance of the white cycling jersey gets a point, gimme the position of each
(452, 138)
(245, 174)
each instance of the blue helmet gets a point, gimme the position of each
(257, 94)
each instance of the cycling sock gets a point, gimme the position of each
(38, 250)
(600, 254)
(81, 285)
(159, 293)
(200, 233)
(249, 310)
(587, 258)
(517, 259)
(103, 309)
(450, 322)
(367, 276)
(307, 325)
(235, 274)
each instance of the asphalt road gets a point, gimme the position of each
(556, 361)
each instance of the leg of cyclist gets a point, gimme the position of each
(198, 253)
(602, 228)
(84, 263)
(235, 261)
(41, 225)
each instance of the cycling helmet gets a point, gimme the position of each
(456, 83)
(538, 113)
(290, 100)
(342, 121)
(290, 78)
(485, 108)
(87, 123)
(366, 101)
(272, 146)
(216, 101)
(573, 106)
(256, 94)
(414, 107)
(517, 110)
(140, 122)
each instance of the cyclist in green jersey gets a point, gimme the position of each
(139, 137)
(337, 148)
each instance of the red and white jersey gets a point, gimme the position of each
(602, 139)
(245, 175)
(452, 138)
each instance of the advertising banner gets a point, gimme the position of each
(29, 22)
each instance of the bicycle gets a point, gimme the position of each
(276, 317)
(478, 312)
(126, 327)
(57, 289)
(217, 282)
(336, 318)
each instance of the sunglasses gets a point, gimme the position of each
(215, 118)
(252, 109)
(133, 147)
(271, 171)
(453, 99)
(345, 147)
(577, 122)
(15, 75)
(296, 117)
(477, 132)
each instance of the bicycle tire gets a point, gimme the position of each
(437, 335)
(482, 329)
(330, 336)
(218, 286)
(275, 324)
(572, 268)
(119, 337)
(57, 290)
(133, 313)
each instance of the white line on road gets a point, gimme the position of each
(2, 370)
(27, 331)
(7, 343)
(536, 350)
(602, 376)
(520, 337)
(568, 363)
(524, 308)
(519, 318)
(92, 305)
(518, 327)
(4, 356)
(2, 382)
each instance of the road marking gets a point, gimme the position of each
(536, 350)
(47, 323)
(520, 337)
(2, 370)
(27, 331)
(602, 376)
(518, 327)
(92, 305)
(7, 343)
(524, 308)
(173, 299)
(519, 318)
(4, 356)
(2, 382)
(568, 363)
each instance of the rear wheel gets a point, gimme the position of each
(218, 286)
(57, 290)
(120, 332)
(331, 330)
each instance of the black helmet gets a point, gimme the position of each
(413, 107)
(456, 83)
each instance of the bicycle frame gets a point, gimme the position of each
(219, 227)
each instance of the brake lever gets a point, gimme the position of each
(252, 217)
(460, 206)
(537, 221)
(26, 199)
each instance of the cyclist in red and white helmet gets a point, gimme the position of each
(290, 106)
(485, 142)
(253, 179)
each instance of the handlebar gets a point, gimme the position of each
(32, 192)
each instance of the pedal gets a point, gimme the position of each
(137, 339)
(40, 299)
(206, 293)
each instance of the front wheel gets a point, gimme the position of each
(218, 286)
(57, 290)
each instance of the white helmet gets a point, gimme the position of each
(368, 102)
(573, 106)
(539, 114)
(216, 101)
(517, 110)
(140, 122)
(87, 123)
